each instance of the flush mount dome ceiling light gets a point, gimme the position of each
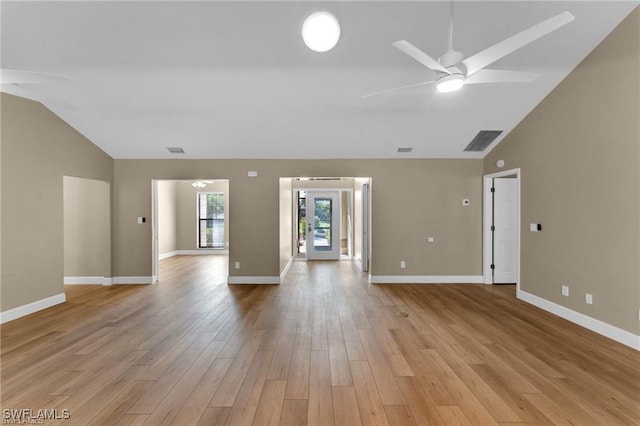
(321, 31)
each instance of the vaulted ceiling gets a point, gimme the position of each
(235, 80)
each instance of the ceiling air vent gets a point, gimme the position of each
(175, 150)
(405, 149)
(482, 140)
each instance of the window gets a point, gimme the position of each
(210, 220)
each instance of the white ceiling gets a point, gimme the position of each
(234, 79)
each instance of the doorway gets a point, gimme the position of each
(349, 233)
(501, 228)
(189, 218)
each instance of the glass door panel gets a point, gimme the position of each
(323, 225)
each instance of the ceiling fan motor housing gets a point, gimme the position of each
(451, 57)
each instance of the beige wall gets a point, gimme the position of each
(187, 214)
(38, 149)
(167, 216)
(579, 152)
(87, 228)
(286, 222)
(411, 199)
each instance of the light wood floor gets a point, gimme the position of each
(323, 348)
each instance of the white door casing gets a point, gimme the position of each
(365, 228)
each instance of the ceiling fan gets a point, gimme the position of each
(453, 70)
(21, 83)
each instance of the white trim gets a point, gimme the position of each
(31, 308)
(167, 255)
(357, 262)
(612, 332)
(133, 280)
(87, 281)
(201, 252)
(285, 271)
(198, 252)
(155, 233)
(425, 279)
(253, 280)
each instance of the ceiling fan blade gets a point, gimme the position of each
(24, 77)
(500, 76)
(21, 92)
(420, 56)
(513, 43)
(368, 95)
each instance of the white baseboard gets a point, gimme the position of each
(357, 262)
(31, 308)
(133, 280)
(199, 252)
(612, 332)
(285, 271)
(167, 255)
(87, 281)
(425, 279)
(253, 280)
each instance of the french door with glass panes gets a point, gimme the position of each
(323, 225)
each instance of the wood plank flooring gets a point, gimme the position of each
(323, 348)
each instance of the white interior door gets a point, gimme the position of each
(323, 225)
(505, 231)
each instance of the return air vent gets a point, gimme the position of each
(405, 149)
(175, 150)
(483, 139)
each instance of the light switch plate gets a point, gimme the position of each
(588, 299)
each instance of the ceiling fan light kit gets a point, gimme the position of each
(450, 83)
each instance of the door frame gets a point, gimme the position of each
(366, 226)
(487, 215)
(155, 231)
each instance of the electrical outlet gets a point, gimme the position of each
(237, 265)
(431, 239)
(403, 264)
(588, 299)
(565, 290)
